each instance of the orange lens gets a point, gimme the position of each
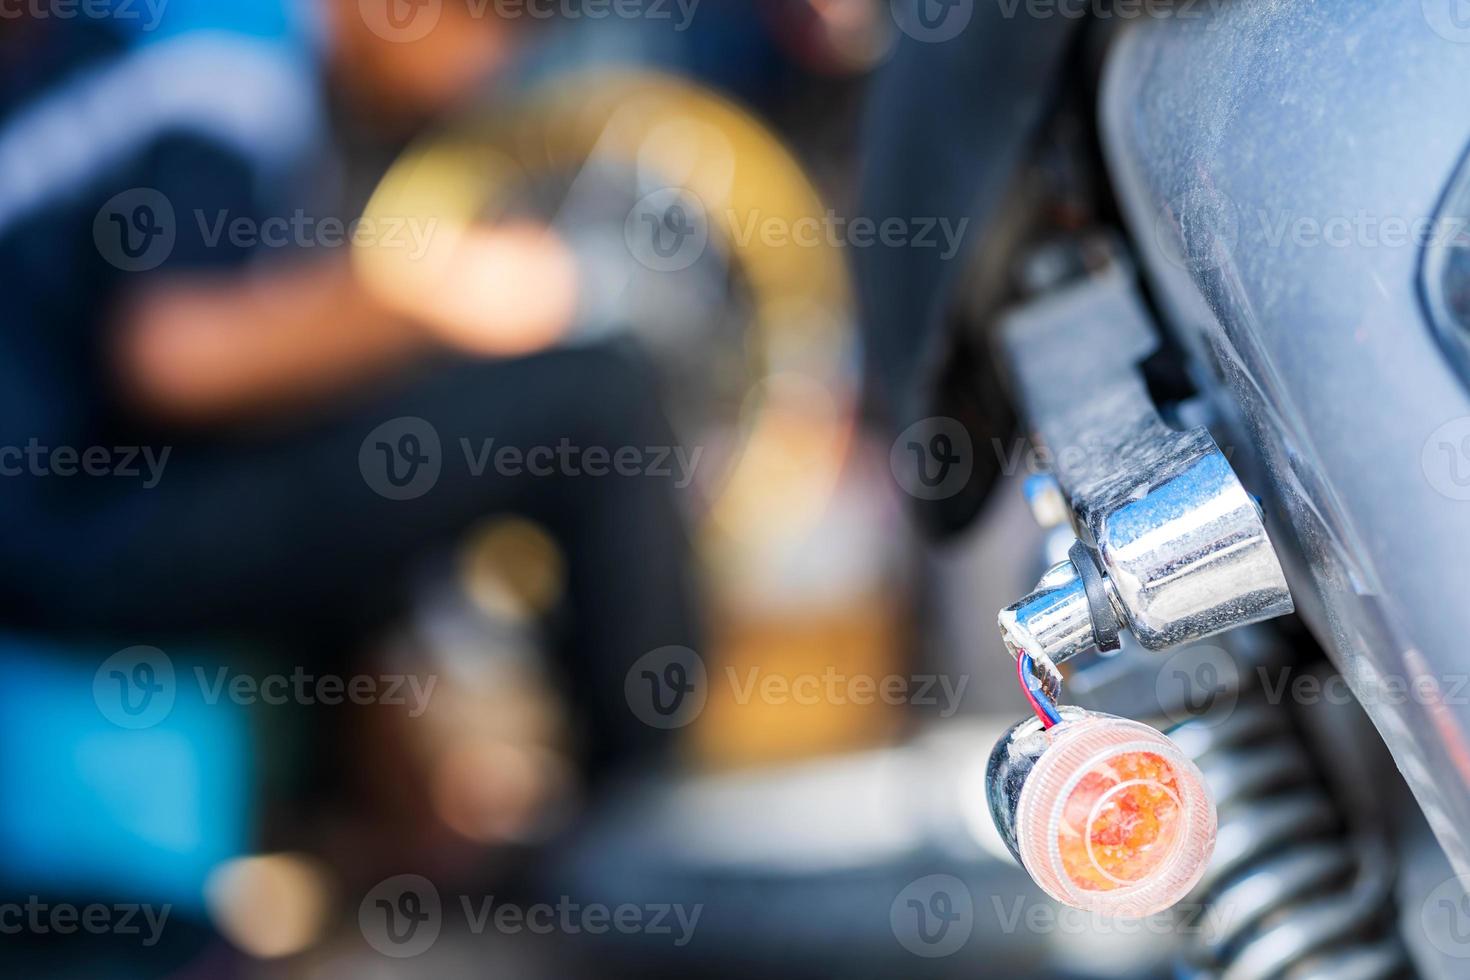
(1114, 818)
(1120, 822)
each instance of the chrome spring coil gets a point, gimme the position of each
(1289, 894)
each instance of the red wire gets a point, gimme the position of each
(1046, 720)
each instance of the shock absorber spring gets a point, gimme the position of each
(1291, 892)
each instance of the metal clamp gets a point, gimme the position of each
(1170, 545)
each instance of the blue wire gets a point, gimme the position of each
(1038, 696)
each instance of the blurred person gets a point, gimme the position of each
(136, 318)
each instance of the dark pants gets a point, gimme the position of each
(282, 534)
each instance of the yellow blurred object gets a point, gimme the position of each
(675, 134)
(796, 420)
(271, 905)
(809, 627)
(493, 291)
(798, 438)
(770, 700)
(512, 569)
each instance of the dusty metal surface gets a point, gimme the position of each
(1267, 160)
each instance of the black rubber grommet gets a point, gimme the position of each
(1105, 623)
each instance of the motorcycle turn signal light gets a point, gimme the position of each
(1106, 814)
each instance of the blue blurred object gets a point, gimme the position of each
(88, 807)
(292, 22)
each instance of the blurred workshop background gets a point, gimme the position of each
(514, 582)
